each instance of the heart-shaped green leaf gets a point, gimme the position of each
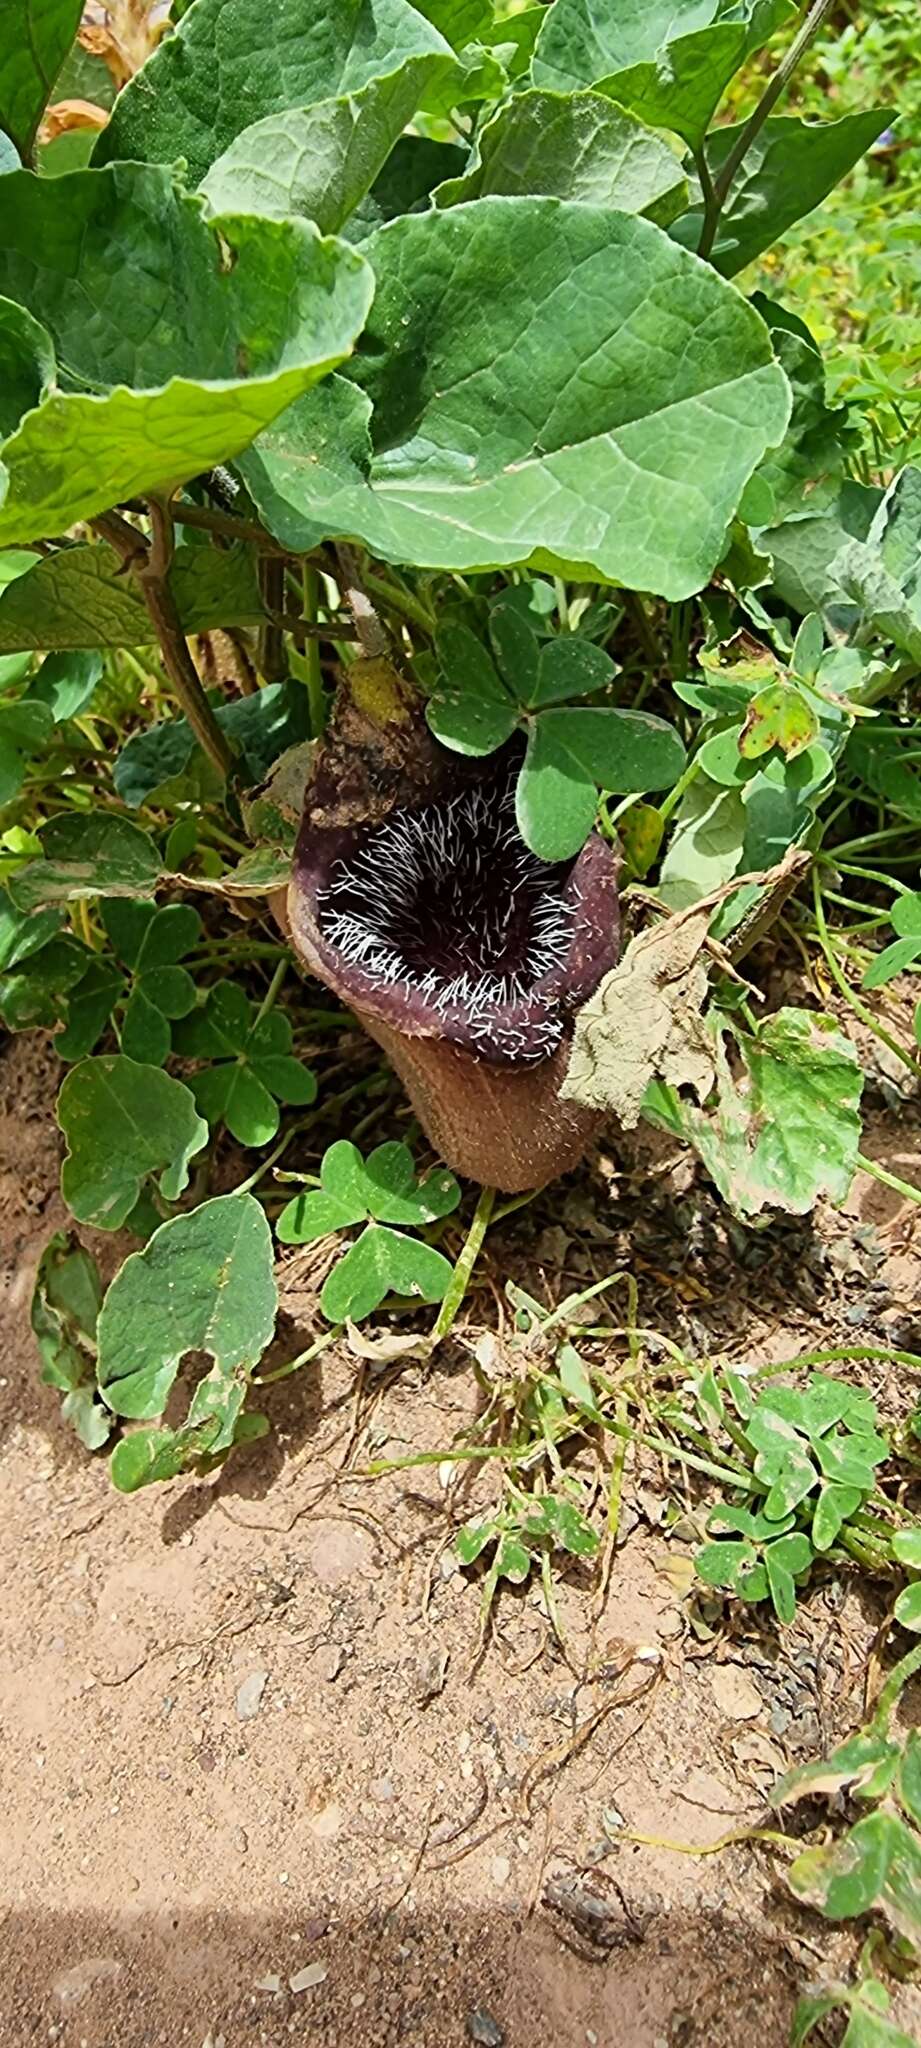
(383, 1262)
(511, 461)
(204, 1282)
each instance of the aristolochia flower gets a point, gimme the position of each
(444, 923)
(414, 897)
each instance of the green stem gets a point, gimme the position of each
(818, 13)
(401, 601)
(283, 1372)
(268, 1000)
(842, 1354)
(460, 1279)
(889, 1180)
(712, 205)
(897, 1679)
(860, 1009)
(673, 799)
(314, 673)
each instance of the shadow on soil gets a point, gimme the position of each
(404, 1980)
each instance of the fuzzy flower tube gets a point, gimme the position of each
(415, 898)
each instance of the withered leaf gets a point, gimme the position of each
(644, 1022)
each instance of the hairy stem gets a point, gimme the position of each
(721, 185)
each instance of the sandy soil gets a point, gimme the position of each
(253, 1792)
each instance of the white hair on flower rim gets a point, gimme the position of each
(448, 904)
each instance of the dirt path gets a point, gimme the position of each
(252, 1792)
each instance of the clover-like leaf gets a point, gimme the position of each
(123, 1123)
(384, 1186)
(64, 1313)
(383, 1262)
(203, 1282)
(256, 1068)
(90, 1004)
(864, 1766)
(778, 716)
(784, 1561)
(835, 1506)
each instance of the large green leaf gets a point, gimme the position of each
(790, 168)
(318, 161)
(204, 335)
(231, 62)
(552, 383)
(203, 1282)
(577, 146)
(80, 597)
(123, 1122)
(37, 35)
(669, 61)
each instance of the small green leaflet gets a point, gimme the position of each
(65, 1308)
(480, 701)
(204, 1282)
(384, 1186)
(124, 1122)
(255, 1067)
(89, 854)
(383, 1262)
(150, 943)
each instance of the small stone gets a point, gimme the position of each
(239, 1840)
(74, 1983)
(482, 2028)
(501, 1870)
(249, 1695)
(328, 1662)
(270, 1982)
(326, 1824)
(735, 1694)
(308, 1978)
(381, 1788)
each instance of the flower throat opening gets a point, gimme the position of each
(449, 905)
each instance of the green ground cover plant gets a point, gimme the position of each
(526, 396)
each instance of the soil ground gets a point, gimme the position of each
(253, 1790)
